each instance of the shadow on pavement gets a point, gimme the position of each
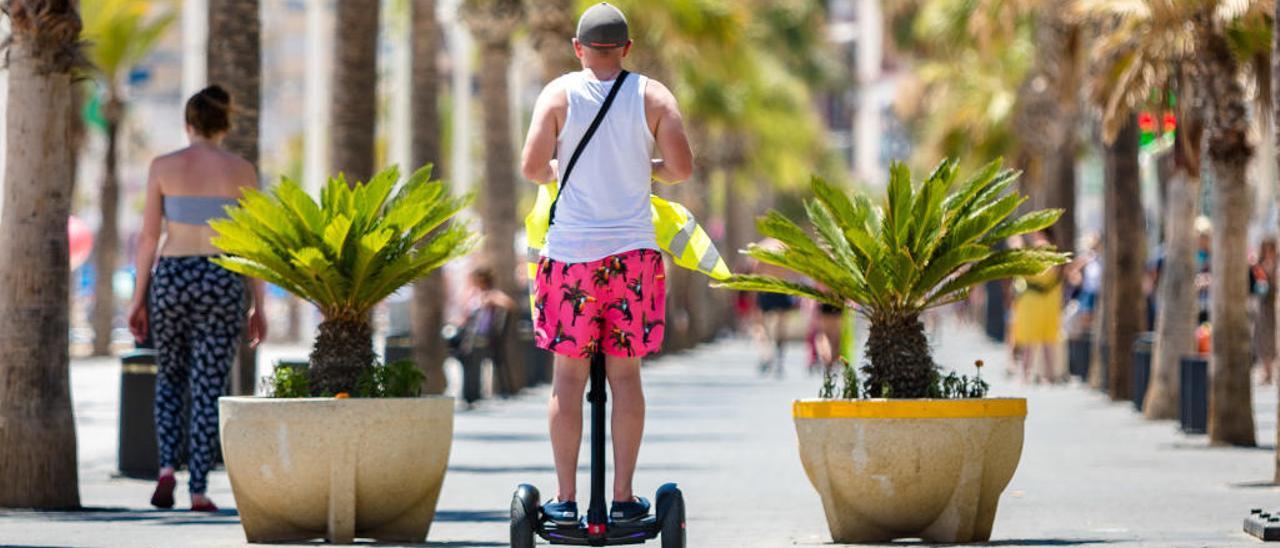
(1206, 445)
(116, 515)
(522, 437)
(484, 516)
(1263, 484)
(1007, 542)
(501, 437)
(1047, 542)
(548, 469)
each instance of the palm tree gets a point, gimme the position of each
(1144, 50)
(429, 350)
(1124, 254)
(235, 62)
(493, 22)
(355, 79)
(37, 431)
(551, 26)
(1227, 129)
(120, 33)
(1049, 114)
(1275, 111)
(1209, 37)
(923, 246)
(1177, 295)
(1000, 79)
(344, 254)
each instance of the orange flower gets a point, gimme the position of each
(341, 396)
(978, 364)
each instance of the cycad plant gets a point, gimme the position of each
(924, 246)
(344, 254)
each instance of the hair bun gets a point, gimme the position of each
(218, 96)
(208, 112)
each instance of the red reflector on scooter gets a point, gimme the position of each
(595, 529)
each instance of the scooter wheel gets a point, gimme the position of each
(524, 516)
(671, 516)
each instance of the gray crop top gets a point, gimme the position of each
(196, 210)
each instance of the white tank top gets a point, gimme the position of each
(604, 210)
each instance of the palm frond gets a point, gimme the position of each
(354, 247)
(924, 245)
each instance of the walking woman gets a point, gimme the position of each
(197, 308)
(1037, 318)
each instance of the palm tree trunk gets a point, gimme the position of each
(1275, 111)
(235, 62)
(427, 316)
(355, 80)
(1062, 189)
(498, 204)
(493, 22)
(37, 431)
(1124, 252)
(1176, 315)
(1046, 119)
(1228, 150)
(551, 29)
(108, 244)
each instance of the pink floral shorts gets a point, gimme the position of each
(616, 305)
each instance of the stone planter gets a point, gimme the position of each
(312, 468)
(929, 469)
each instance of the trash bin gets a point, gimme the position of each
(1141, 365)
(399, 346)
(537, 362)
(137, 454)
(1078, 349)
(996, 317)
(1193, 394)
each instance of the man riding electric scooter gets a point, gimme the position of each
(600, 282)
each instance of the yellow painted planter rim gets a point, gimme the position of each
(910, 409)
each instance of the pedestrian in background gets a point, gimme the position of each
(486, 310)
(1262, 277)
(775, 309)
(197, 308)
(1037, 318)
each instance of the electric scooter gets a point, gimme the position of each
(667, 520)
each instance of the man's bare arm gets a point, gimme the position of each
(676, 164)
(536, 162)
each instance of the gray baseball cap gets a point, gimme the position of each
(603, 26)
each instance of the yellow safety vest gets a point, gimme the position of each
(677, 232)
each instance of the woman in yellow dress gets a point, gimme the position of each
(1037, 317)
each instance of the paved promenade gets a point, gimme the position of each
(1091, 471)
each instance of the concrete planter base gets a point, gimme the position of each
(929, 469)
(312, 468)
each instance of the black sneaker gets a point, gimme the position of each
(561, 513)
(629, 511)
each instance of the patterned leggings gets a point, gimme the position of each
(197, 312)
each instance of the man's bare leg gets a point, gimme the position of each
(565, 414)
(628, 421)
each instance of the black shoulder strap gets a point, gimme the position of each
(586, 137)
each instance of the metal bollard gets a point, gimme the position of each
(1193, 394)
(1078, 349)
(1141, 366)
